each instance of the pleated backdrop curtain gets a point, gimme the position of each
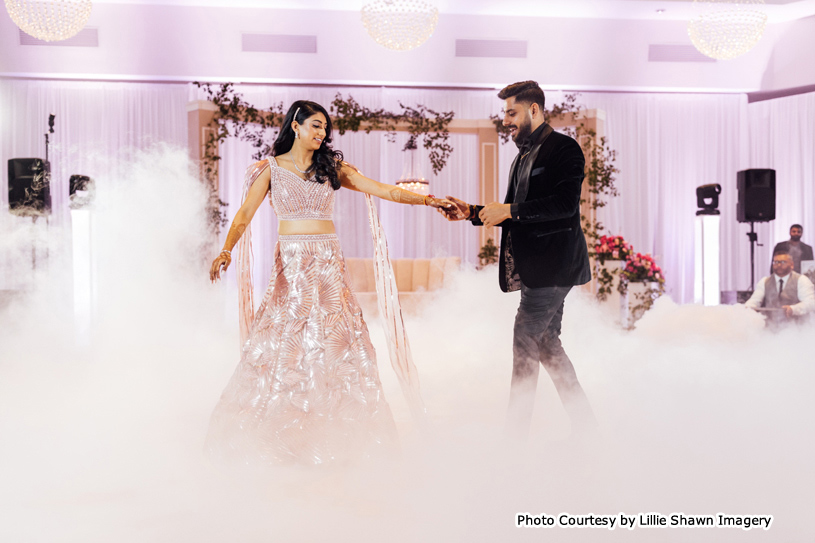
(782, 137)
(667, 145)
(98, 127)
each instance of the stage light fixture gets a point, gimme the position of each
(707, 199)
(706, 261)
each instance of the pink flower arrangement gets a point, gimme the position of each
(612, 248)
(640, 267)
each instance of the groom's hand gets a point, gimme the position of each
(495, 213)
(459, 211)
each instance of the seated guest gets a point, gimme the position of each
(784, 290)
(795, 247)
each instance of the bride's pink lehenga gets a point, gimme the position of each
(307, 388)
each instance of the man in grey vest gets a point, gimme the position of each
(785, 290)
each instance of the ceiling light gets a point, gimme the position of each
(50, 20)
(726, 29)
(400, 24)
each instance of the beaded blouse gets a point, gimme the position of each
(294, 198)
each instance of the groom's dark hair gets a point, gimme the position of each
(527, 92)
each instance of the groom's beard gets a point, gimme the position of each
(795, 238)
(524, 131)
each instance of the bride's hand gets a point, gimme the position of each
(221, 263)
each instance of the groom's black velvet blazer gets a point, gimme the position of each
(543, 243)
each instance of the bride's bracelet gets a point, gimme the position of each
(228, 253)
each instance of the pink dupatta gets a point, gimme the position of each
(387, 295)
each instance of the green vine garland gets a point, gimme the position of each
(432, 126)
(238, 118)
(605, 282)
(488, 254)
(643, 301)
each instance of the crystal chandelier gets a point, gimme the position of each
(400, 24)
(412, 179)
(50, 20)
(726, 29)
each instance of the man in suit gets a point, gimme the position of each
(791, 294)
(795, 247)
(543, 252)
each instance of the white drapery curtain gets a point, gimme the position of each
(782, 137)
(667, 143)
(98, 126)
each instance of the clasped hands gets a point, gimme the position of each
(491, 214)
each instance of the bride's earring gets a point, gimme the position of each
(296, 135)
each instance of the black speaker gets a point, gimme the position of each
(756, 196)
(29, 186)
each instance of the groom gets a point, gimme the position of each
(543, 252)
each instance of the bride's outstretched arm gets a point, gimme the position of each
(352, 179)
(257, 192)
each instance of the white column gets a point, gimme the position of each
(83, 272)
(706, 273)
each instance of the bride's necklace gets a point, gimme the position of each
(295, 165)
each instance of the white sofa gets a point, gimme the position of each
(416, 279)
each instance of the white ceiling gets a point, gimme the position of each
(777, 10)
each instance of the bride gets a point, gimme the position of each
(307, 388)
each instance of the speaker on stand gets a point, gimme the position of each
(29, 187)
(756, 203)
(29, 193)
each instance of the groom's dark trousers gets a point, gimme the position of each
(543, 254)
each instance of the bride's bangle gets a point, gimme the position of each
(228, 253)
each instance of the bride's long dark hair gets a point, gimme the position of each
(326, 160)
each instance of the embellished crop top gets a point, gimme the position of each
(294, 198)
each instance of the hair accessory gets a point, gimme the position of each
(296, 135)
